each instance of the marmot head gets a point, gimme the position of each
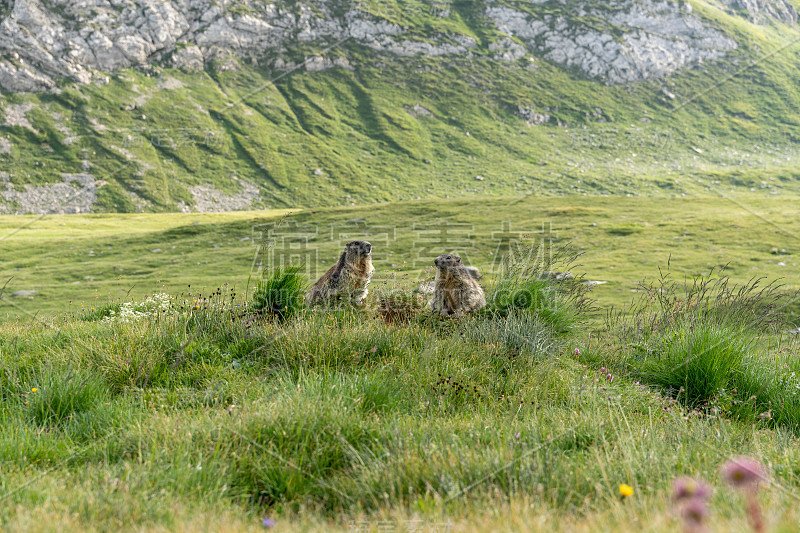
(358, 249)
(447, 261)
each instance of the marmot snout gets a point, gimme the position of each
(349, 277)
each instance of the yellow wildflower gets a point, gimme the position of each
(625, 490)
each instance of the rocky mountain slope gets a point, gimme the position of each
(631, 41)
(121, 105)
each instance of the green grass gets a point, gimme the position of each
(280, 293)
(334, 416)
(173, 414)
(162, 403)
(82, 262)
(697, 362)
(526, 284)
(714, 346)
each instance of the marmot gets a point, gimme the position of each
(455, 292)
(349, 277)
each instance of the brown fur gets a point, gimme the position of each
(349, 277)
(456, 292)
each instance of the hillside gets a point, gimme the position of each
(197, 105)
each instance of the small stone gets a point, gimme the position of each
(555, 275)
(474, 272)
(23, 294)
(426, 287)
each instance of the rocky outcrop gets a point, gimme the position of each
(207, 199)
(637, 40)
(76, 194)
(531, 116)
(42, 41)
(764, 11)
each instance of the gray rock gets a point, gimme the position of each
(531, 116)
(23, 294)
(764, 11)
(555, 275)
(418, 110)
(638, 40)
(208, 199)
(76, 194)
(188, 58)
(17, 115)
(594, 283)
(426, 287)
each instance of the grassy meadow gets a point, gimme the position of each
(84, 261)
(158, 372)
(126, 409)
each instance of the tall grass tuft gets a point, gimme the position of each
(697, 361)
(791, 311)
(57, 395)
(702, 340)
(280, 294)
(665, 302)
(520, 333)
(529, 283)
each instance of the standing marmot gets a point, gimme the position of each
(456, 292)
(348, 278)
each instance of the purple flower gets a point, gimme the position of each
(686, 488)
(268, 522)
(516, 435)
(743, 472)
(576, 352)
(694, 512)
(610, 377)
(602, 369)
